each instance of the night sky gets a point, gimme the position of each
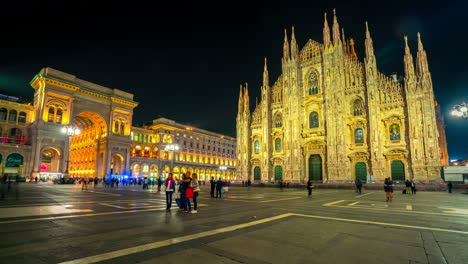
(186, 61)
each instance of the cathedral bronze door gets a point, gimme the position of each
(360, 170)
(278, 173)
(257, 174)
(398, 170)
(315, 168)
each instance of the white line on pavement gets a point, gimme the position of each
(361, 195)
(409, 207)
(332, 203)
(351, 204)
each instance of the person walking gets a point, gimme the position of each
(170, 188)
(449, 186)
(219, 187)
(281, 185)
(84, 183)
(95, 182)
(413, 187)
(196, 189)
(359, 186)
(309, 187)
(213, 185)
(159, 184)
(388, 189)
(408, 186)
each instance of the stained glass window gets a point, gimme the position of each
(358, 107)
(278, 144)
(359, 136)
(395, 132)
(313, 120)
(257, 146)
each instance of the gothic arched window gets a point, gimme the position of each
(278, 144)
(116, 127)
(359, 136)
(257, 146)
(358, 107)
(51, 114)
(278, 121)
(313, 120)
(313, 87)
(122, 129)
(394, 132)
(58, 116)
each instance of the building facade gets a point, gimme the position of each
(33, 142)
(330, 117)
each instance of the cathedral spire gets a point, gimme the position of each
(266, 81)
(336, 30)
(294, 47)
(408, 59)
(422, 66)
(241, 101)
(326, 32)
(285, 46)
(345, 43)
(353, 51)
(369, 45)
(246, 99)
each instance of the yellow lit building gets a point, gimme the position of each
(331, 117)
(32, 141)
(206, 153)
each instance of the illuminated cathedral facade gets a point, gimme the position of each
(333, 118)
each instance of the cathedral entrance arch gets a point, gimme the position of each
(14, 165)
(360, 170)
(278, 173)
(398, 170)
(87, 149)
(315, 168)
(257, 174)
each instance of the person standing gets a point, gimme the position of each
(170, 188)
(413, 187)
(159, 184)
(219, 187)
(196, 189)
(408, 186)
(389, 189)
(281, 185)
(184, 184)
(309, 187)
(449, 186)
(213, 185)
(249, 182)
(359, 186)
(95, 182)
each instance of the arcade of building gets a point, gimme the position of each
(33, 143)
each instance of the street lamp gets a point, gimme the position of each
(173, 148)
(70, 131)
(460, 110)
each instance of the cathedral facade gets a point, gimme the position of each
(330, 117)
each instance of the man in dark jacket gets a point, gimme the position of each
(359, 186)
(219, 187)
(408, 186)
(213, 185)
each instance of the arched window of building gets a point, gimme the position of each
(313, 84)
(257, 146)
(122, 128)
(358, 107)
(278, 121)
(394, 132)
(116, 126)
(313, 120)
(13, 115)
(22, 117)
(3, 113)
(51, 114)
(278, 144)
(58, 116)
(358, 136)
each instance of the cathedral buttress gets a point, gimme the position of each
(266, 113)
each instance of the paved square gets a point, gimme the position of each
(62, 224)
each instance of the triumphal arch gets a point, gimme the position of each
(101, 115)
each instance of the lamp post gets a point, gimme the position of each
(70, 131)
(460, 110)
(173, 148)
